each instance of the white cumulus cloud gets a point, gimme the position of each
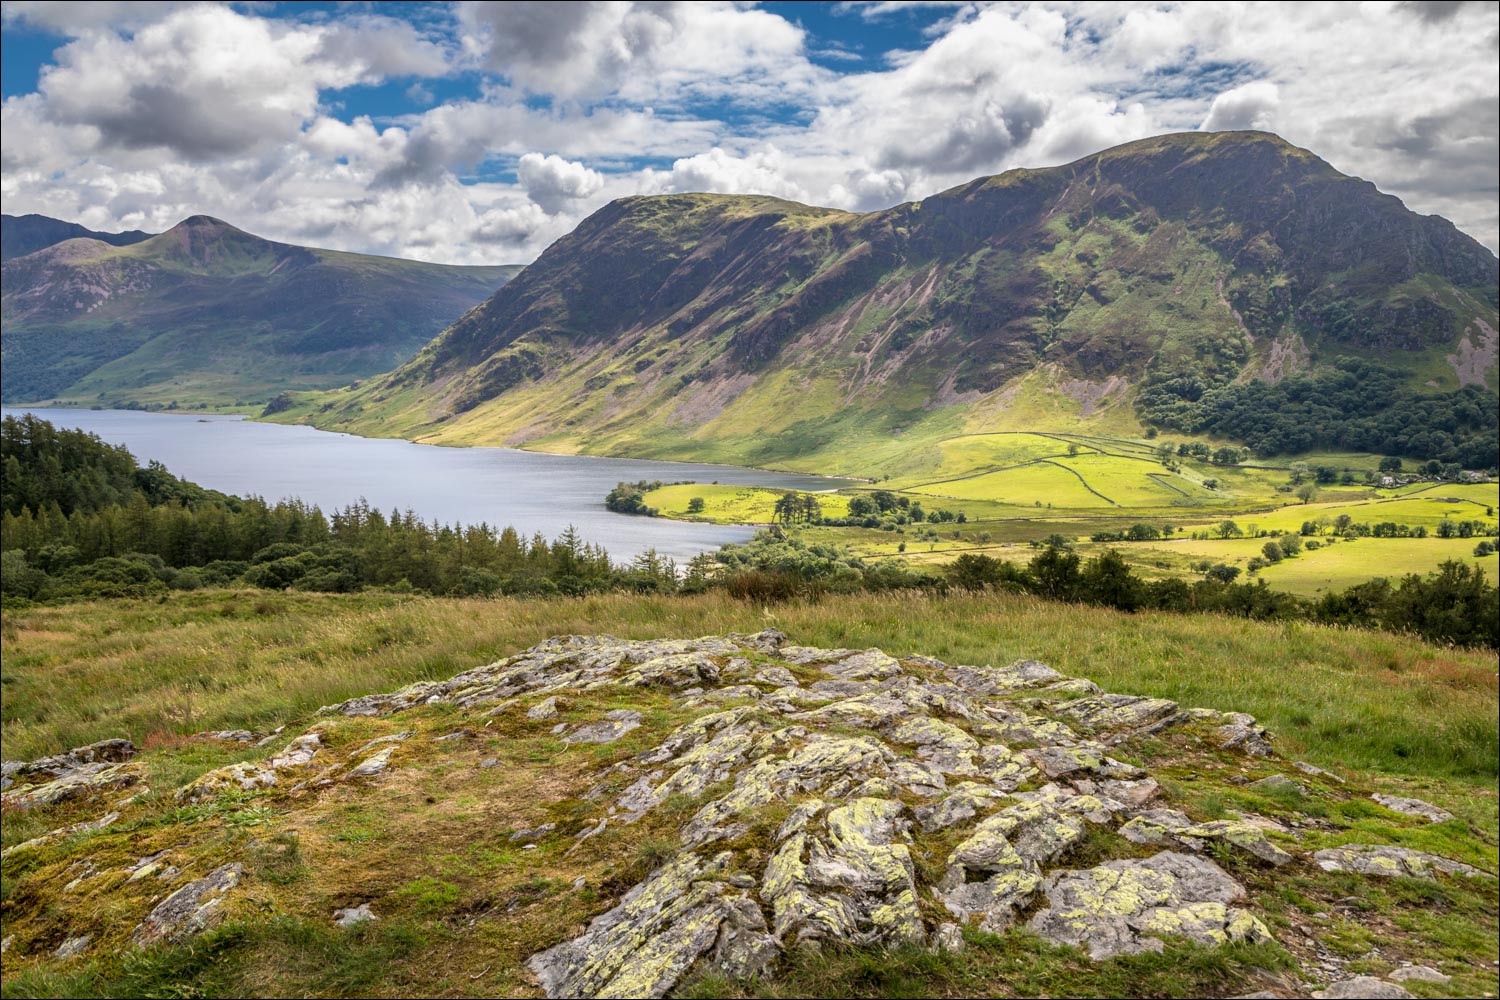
(555, 183)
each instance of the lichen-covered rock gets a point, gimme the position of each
(1363, 988)
(1163, 826)
(1418, 974)
(247, 776)
(655, 934)
(810, 763)
(230, 736)
(584, 662)
(544, 709)
(1080, 760)
(353, 916)
(1243, 733)
(1316, 771)
(856, 759)
(1279, 783)
(79, 782)
(962, 803)
(87, 826)
(1413, 807)
(1118, 711)
(944, 745)
(1015, 727)
(1389, 862)
(373, 765)
(1126, 907)
(73, 946)
(48, 769)
(614, 725)
(853, 883)
(1000, 680)
(190, 910)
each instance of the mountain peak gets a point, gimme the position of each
(206, 222)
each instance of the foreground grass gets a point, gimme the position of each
(154, 670)
(462, 905)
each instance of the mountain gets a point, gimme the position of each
(207, 314)
(24, 234)
(1107, 294)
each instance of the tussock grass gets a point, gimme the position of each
(155, 671)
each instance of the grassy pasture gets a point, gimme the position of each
(1019, 486)
(1047, 482)
(733, 504)
(1428, 509)
(1333, 566)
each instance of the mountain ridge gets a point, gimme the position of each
(1114, 291)
(24, 234)
(212, 313)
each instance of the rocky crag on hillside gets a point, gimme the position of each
(814, 797)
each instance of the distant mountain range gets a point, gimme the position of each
(24, 234)
(206, 314)
(1129, 289)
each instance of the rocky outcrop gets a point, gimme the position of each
(61, 765)
(810, 797)
(863, 757)
(1127, 907)
(1389, 862)
(78, 773)
(1413, 807)
(248, 777)
(190, 910)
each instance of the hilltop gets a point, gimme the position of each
(24, 234)
(739, 814)
(1176, 282)
(206, 315)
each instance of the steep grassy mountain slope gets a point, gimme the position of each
(759, 331)
(24, 234)
(206, 314)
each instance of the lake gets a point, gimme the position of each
(499, 486)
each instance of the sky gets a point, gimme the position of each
(478, 133)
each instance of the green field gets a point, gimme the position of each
(1427, 508)
(1048, 483)
(732, 504)
(1333, 566)
(1016, 487)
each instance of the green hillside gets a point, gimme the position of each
(207, 315)
(1227, 285)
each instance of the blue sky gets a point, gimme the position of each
(476, 132)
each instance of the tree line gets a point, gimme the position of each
(1454, 605)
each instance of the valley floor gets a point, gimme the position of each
(1014, 488)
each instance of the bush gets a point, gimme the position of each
(476, 582)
